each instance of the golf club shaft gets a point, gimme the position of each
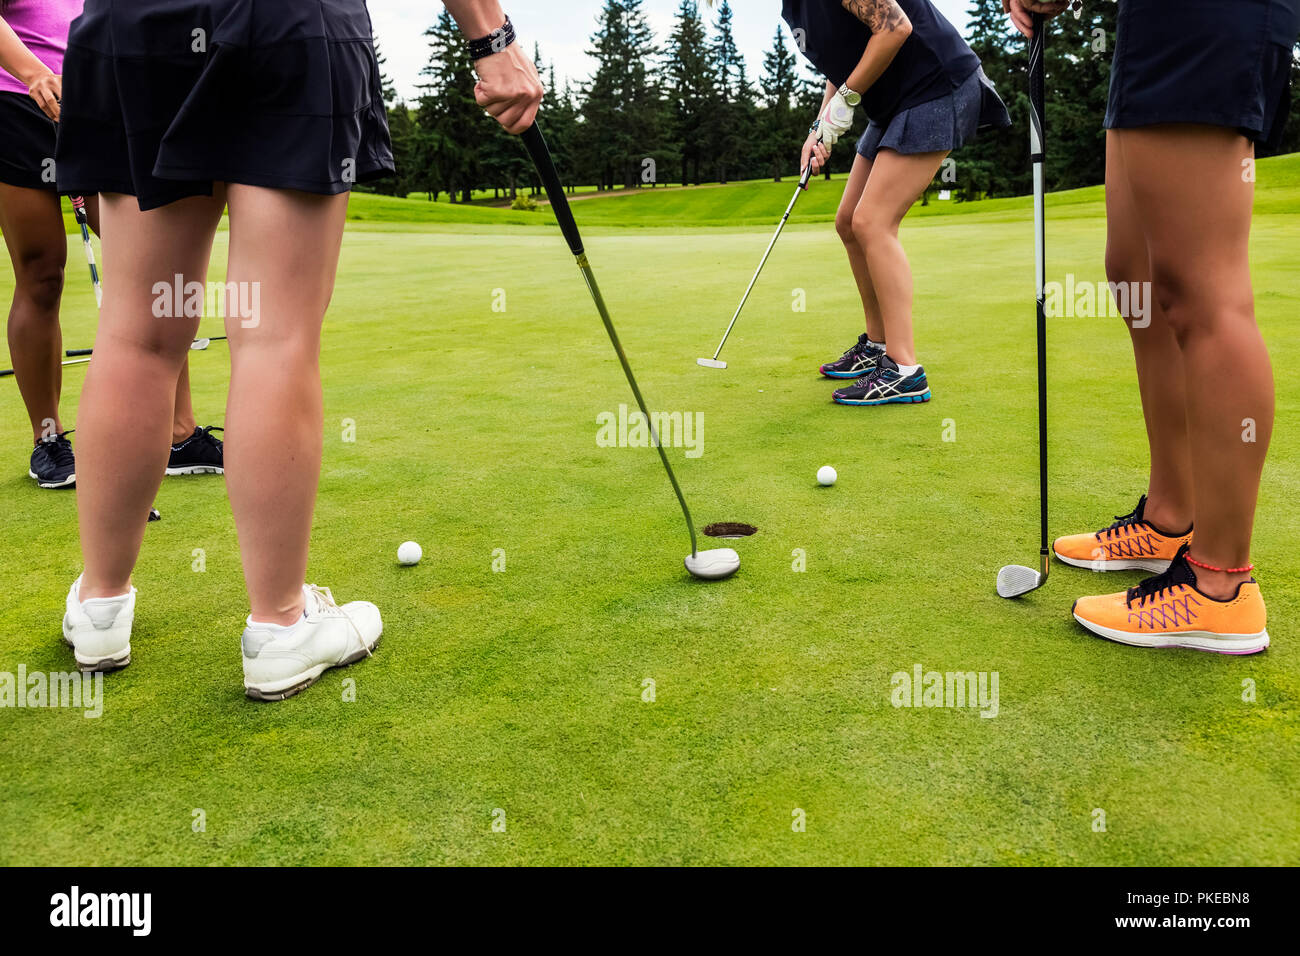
(210, 338)
(79, 211)
(5, 373)
(1037, 146)
(803, 184)
(535, 143)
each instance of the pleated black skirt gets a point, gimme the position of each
(162, 98)
(1214, 62)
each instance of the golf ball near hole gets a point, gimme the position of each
(408, 552)
(826, 475)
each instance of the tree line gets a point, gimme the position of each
(683, 109)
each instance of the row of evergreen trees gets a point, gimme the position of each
(687, 111)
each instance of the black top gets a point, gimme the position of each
(932, 62)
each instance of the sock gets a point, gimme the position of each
(906, 370)
(276, 628)
(875, 345)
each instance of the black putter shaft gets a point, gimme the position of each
(1038, 159)
(540, 154)
(71, 352)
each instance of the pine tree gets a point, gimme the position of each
(450, 119)
(728, 141)
(621, 101)
(780, 128)
(690, 89)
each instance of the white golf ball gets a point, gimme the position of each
(826, 475)
(408, 552)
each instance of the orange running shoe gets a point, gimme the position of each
(1130, 544)
(1169, 611)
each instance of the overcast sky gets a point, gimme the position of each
(564, 28)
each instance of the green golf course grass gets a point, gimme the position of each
(521, 695)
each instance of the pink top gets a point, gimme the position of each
(42, 25)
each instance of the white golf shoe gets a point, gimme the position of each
(99, 630)
(280, 661)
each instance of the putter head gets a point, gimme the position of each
(710, 363)
(1016, 579)
(714, 564)
(198, 345)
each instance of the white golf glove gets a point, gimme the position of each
(836, 118)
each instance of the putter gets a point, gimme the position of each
(198, 345)
(79, 211)
(717, 563)
(713, 362)
(1015, 579)
(6, 373)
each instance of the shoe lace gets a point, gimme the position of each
(1178, 574)
(325, 601)
(204, 435)
(60, 449)
(1123, 523)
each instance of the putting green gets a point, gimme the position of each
(590, 695)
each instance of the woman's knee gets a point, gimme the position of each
(870, 228)
(1193, 303)
(39, 280)
(844, 226)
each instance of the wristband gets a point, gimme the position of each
(494, 42)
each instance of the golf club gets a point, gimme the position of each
(719, 562)
(5, 373)
(1014, 579)
(198, 345)
(79, 210)
(713, 362)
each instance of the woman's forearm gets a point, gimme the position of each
(890, 29)
(16, 60)
(476, 18)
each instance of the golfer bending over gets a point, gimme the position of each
(925, 95)
(275, 117)
(1193, 87)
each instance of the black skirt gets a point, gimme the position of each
(162, 98)
(1214, 62)
(26, 143)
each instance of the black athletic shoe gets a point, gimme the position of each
(53, 465)
(886, 385)
(200, 454)
(856, 362)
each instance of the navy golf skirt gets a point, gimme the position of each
(939, 125)
(162, 98)
(1213, 62)
(26, 143)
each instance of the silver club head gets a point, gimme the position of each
(1016, 579)
(713, 565)
(710, 363)
(198, 345)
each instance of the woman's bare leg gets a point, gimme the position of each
(1161, 376)
(128, 402)
(896, 181)
(285, 245)
(32, 223)
(857, 254)
(1194, 203)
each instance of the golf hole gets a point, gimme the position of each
(729, 529)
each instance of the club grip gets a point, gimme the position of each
(807, 175)
(540, 153)
(71, 353)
